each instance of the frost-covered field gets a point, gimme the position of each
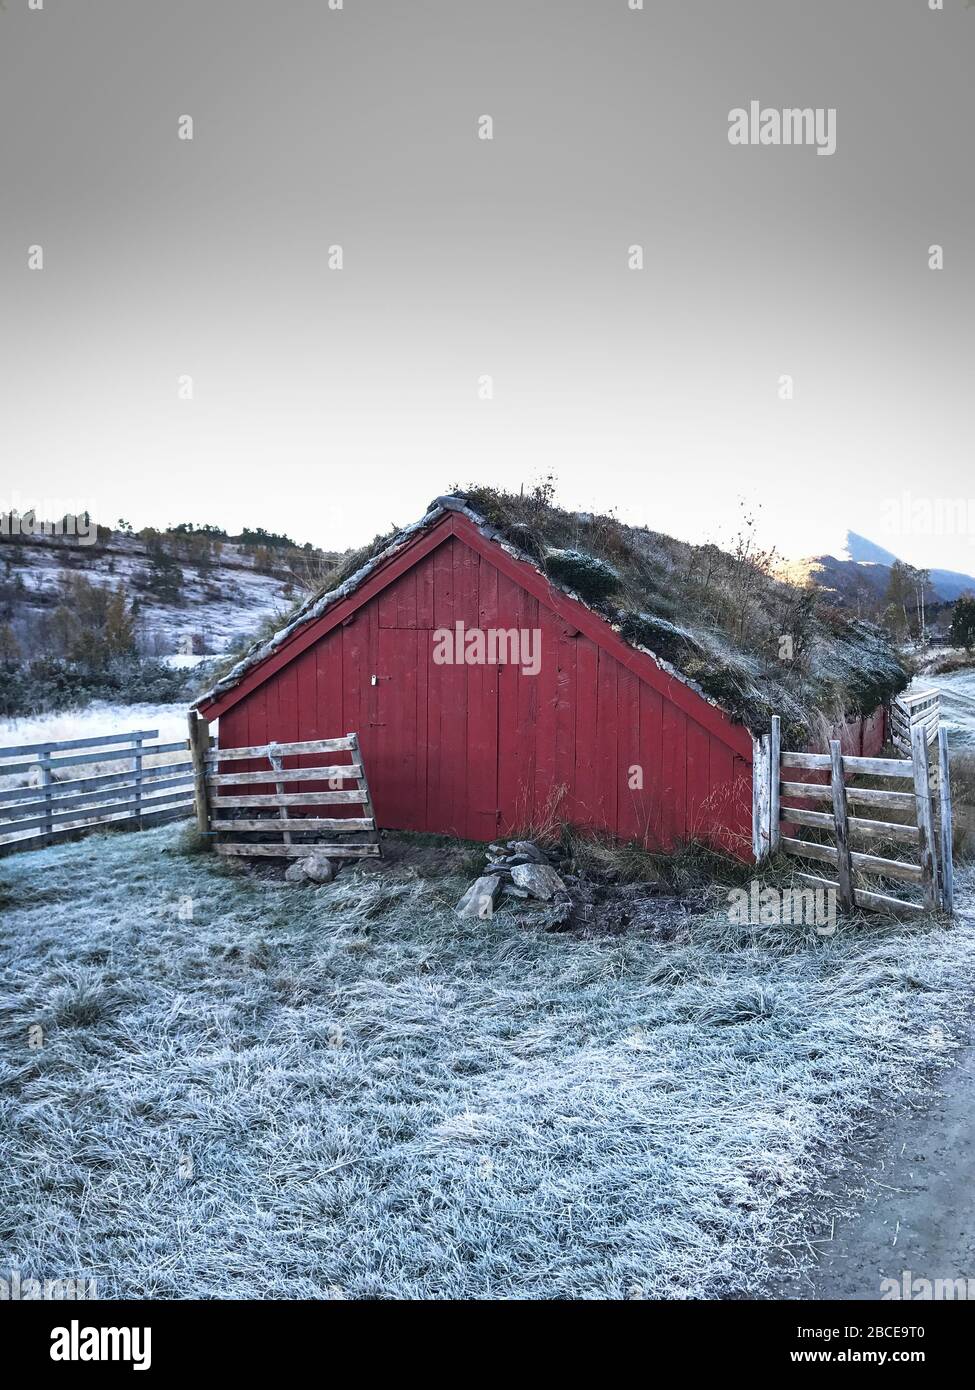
(97, 718)
(344, 1091)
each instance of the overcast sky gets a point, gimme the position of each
(331, 403)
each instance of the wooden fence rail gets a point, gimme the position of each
(52, 808)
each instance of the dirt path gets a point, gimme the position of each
(919, 1214)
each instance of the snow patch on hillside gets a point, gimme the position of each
(219, 608)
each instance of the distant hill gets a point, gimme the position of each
(947, 584)
(191, 593)
(866, 552)
(863, 571)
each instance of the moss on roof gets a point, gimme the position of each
(753, 643)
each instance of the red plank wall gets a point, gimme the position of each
(486, 750)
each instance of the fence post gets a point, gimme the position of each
(922, 795)
(274, 758)
(760, 797)
(137, 773)
(944, 790)
(45, 761)
(775, 774)
(844, 864)
(199, 744)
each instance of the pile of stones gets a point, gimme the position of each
(518, 870)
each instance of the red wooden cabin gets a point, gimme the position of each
(604, 736)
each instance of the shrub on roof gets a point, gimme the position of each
(665, 639)
(586, 575)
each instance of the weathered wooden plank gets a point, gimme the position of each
(41, 841)
(877, 767)
(62, 791)
(775, 764)
(46, 780)
(876, 829)
(944, 792)
(137, 769)
(924, 714)
(115, 754)
(884, 830)
(199, 731)
(821, 820)
(814, 881)
(859, 796)
(90, 799)
(368, 806)
(349, 772)
(891, 868)
(61, 745)
(805, 791)
(863, 863)
(300, 851)
(930, 726)
(274, 758)
(881, 902)
(877, 796)
(818, 761)
(761, 796)
(922, 791)
(844, 866)
(876, 902)
(908, 697)
(804, 849)
(301, 823)
(293, 799)
(852, 765)
(286, 750)
(63, 794)
(92, 815)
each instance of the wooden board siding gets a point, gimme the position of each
(486, 750)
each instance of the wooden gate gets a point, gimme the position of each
(275, 810)
(926, 829)
(921, 707)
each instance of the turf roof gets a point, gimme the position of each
(752, 644)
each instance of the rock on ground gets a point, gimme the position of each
(480, 898)
(319, 868)
(540, 880)
(527, 850)
(316, 868)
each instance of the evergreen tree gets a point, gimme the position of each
(962, 630)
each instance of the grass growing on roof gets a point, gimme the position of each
(346, 1091)
(717, 617)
